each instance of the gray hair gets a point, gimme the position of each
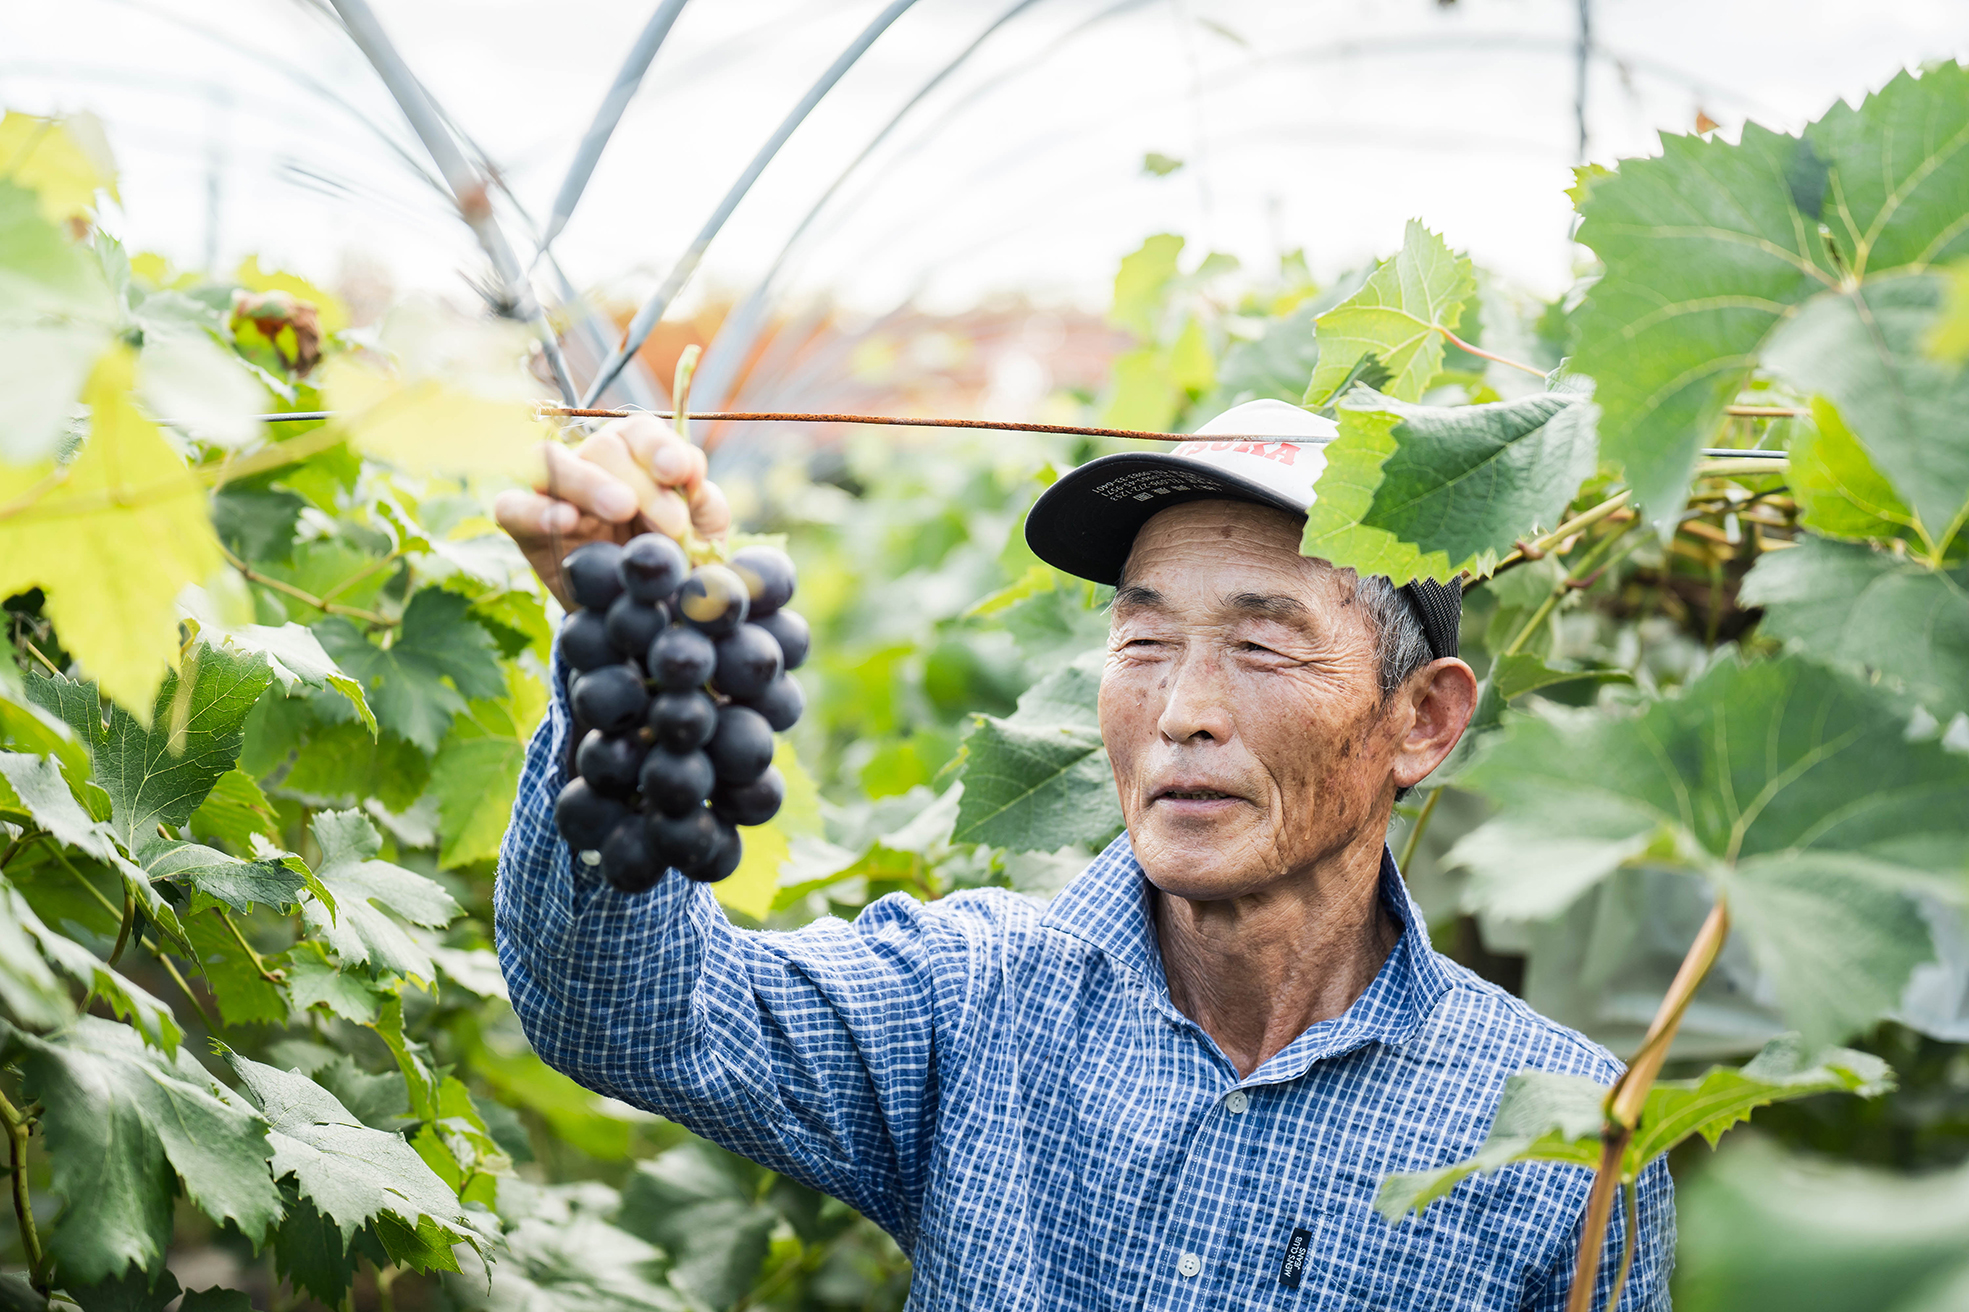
(1401, 646)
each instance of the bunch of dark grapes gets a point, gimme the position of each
(683, 680)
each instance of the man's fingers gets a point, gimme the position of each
(711, 514)
(591, 486)
(671, 461)
(530, 518)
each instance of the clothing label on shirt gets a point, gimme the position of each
(1295, 1259)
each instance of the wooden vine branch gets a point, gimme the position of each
(1630, 1095)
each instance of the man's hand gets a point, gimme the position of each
(633, 476)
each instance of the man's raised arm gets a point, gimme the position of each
(813, 1053)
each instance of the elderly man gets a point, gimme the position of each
(1181, 1083)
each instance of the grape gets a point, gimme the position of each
(681, 658)
(781, 703)
(790, 630)
(611, 698)
(584, 641)
(713, 599)
(674, 782)
(632, 626)
(742, 747)
(683, 840)
(753, 803)
(591, 574)
(627, 860)
(653, 566)
(682, 721)
(609, 762)
(585, 817)
(748, 661)
(724, 858)
(768, 576)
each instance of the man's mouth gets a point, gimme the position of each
(1193, 795)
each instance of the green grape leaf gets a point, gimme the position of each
(366, 892)
(122, 1122)
(56, 318)
(1898, 168)
(1557, 1118)
(1765, 1230)
(700, 1204)
(234, 811)
(477, 770)
(1399, 317)
(31, 993)
(43, 792)
(1867, 611)
(351, 1173)
(1751, 761)
(113, 539)
(297, 659)
(440, 659)
(1864, 350)
(1834, 934)
(1705, 254)
(343, 763)
(1141, 285)
(1542, 1116)
(309, 1251)
(245, 997)
(159, 773)
(1035, 789)
(35, 730)
(1040, 780)
(135, 1290)
(256, 522)
(561, 1254)
(314, 980)
(38, 785)
(1510, 678)
(1840, 492)
(1429, 492)
(151, 1018)
(216, 1299)
(378, 1101)
(238, 884)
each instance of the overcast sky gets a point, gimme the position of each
(253, 125)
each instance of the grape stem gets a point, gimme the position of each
(19, 1126)
(323, 604)
(1482, 354)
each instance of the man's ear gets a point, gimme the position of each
(1443, 694)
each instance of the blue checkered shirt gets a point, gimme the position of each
(1006, 1088)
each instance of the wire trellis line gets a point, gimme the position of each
(992, 425)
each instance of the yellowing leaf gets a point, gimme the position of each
(458, 400)
(332, 314)
(1191, 366)
(63, 161)
(751, 888)
(122, 530)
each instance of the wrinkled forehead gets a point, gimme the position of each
(1221, 547)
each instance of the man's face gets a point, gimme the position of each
(1241, 704)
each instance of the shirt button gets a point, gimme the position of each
(1237, 1102)
(1189, 1264)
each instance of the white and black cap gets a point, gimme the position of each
(1269, 452)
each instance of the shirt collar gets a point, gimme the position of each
(1107, 906)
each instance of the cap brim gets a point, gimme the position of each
(1086, 523)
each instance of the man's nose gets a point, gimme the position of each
(1196, 707)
